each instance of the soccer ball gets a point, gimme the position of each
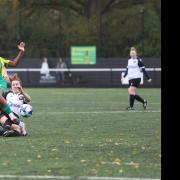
(26, 110)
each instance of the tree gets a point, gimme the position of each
(51, 27)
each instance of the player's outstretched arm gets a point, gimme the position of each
(21, 48)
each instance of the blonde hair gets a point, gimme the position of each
(133, 49)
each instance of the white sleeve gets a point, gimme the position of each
(8, 97)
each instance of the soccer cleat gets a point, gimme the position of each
(10, 133)
(130, 108)
(145, 104)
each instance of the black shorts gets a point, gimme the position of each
(135, 82)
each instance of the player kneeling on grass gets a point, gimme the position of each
(16, 97)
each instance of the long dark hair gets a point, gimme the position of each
(15, 77)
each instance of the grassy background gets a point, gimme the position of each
(87, 132)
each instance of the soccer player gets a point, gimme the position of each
(8, 130)
(134, 68)
(15, 98)
(3, 83)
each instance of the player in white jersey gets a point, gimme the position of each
(134, 68)
(15, 98)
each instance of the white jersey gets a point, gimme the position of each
(134, 68)
(15, 101)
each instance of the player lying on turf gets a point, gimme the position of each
(15, 98)
(3, 83)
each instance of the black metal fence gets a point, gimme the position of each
(103, 74)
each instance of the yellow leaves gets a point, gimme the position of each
(54, 149)
(118, 143)
(67, 142)
(101, 145)
(98, 162)
(117, 162)
(29, 160)
(120, 171)
(109, 140)
(143, 147)
(49, 171)
(136, 165)
(133, 164)
(83, 161)
(39, 156)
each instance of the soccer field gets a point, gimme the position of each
(87, 132)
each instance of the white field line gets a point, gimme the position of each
(115, 178)
(69, 177)
(102, 112)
